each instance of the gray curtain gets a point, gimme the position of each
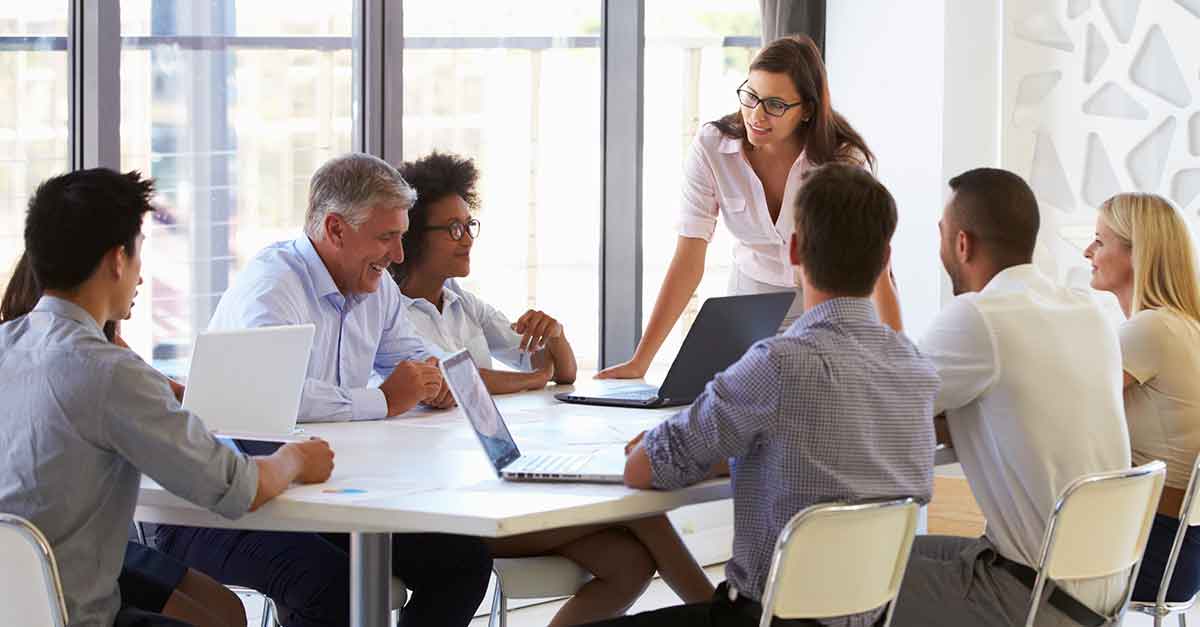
(787, 17)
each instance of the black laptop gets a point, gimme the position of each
(725, 328)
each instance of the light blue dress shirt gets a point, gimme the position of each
(466, 321)
(82, 418)
(288, 283)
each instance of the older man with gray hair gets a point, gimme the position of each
(335, 277)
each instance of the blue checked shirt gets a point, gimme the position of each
(838, 408)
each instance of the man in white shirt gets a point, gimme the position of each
(1031, 391)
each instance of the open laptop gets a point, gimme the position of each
(469, 390)
(247, 383)
(724, 329)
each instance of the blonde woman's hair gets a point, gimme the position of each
(1164, 260)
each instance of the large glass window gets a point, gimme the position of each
(34, 114)
(231, 106)
(696, 56)
(516, 86)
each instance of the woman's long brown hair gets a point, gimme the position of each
(23, 292)
(827, 136)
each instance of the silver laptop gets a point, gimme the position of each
(247, 383)
(481, 411)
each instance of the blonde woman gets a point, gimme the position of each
(1144, 255)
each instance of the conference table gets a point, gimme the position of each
(425, 472)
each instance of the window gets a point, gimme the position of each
(231, 106)
(516, 86)
(34, 121)
(696, 56)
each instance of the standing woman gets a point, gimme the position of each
(746, 167)
(1144, 255)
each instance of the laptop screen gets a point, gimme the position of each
(480, 409)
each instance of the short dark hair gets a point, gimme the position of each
(435, 177)
(999, 209)
(74, 219)
(844, 222)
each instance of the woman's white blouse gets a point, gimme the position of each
(718, 181)
(467, 322)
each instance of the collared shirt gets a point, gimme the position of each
(1031, 387)
(718, 180)
(466, 321)
(288, 283)
(838, 408)
(81, 420)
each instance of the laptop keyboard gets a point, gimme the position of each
(549, 464)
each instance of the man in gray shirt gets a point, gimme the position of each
(837, 408)
(83, 418)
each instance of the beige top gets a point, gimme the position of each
(1161, 350)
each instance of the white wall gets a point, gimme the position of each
(920, 81)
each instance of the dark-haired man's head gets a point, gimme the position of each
(990, 223)
(844, 225)
(442, 235)
(83, 235)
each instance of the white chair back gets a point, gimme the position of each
(837, 559)
(1099, 528)
(30, 590)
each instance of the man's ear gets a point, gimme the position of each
(887, 256)
(335, 229)
(794, 250)
(116, 259)
(964, 246)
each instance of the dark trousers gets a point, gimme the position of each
(1185, 581)
(719, 612)
(309, 573)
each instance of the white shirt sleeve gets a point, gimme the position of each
(503, 343)
(698, 195)
(959, 344)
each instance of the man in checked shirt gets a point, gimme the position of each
(837, 408)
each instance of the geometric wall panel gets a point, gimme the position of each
(1194, 134)
(1047, 176)
(1147, 160)
(1112, 101)
(1099, 179)
(1193, 6)
(1122, 14)
(1185, 187)
(1156, 70)
(1095, 54)
(1123, 114)
(1043, 28)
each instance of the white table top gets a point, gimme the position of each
(425, 471)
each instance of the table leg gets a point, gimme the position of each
(370, 579)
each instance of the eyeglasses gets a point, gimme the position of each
(456, 229)
(773, 106)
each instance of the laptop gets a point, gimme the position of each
(724, 329)
(469, 390)
(247, 383)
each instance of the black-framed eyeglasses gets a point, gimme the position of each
(456, 229)
(773, 106)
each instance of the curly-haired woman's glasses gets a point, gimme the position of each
(456, 229)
